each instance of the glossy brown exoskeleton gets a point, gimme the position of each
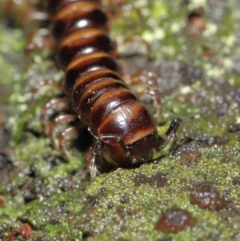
(123, 128)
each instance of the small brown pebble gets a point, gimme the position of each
(207, 52)
(1, 201)
(175, 220)
(26, 231)
(191, 158)
(206, 197)
(196, 22)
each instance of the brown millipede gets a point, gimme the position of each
(122, 127)
(124, 130)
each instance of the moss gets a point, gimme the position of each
(199, 81)
(146, 202)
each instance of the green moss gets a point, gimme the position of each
(137, 218)
(125, 204)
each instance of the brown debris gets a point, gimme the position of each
(190, 158)
(175, 220)
(158, 180)
(196, 23)
(25, 232)
(205, 197)
(2, 201)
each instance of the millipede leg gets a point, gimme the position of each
(171, 131)
(150, 92)
(40, 39)
(91, 158)
(99, 149)
(137, 39)
(70, 131)
(92, 166)
(55, 105)
(61, 119)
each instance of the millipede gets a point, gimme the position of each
(123, 129)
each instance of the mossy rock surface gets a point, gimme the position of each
(190, 191)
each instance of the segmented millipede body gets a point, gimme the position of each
(123, 128)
